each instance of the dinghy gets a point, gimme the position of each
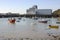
(12, 20)
(42, 21)
(53, 26)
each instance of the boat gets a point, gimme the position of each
(19, 18)
(58, 18)
(18, 21)
(35, 18)
(12, 20)
(58, 22)
(53, 26)
(42, 21)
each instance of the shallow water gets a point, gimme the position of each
(28, 29)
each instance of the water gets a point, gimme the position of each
(27, 29)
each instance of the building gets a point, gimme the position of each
(39, 12)
(32, 10)
(44, 12)
(35, 10)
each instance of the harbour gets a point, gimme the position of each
(29, 19)
(29, 29)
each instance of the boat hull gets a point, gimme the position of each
(53, 26)
(12, 21)
(42, 21)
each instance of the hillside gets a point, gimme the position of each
(56, 13)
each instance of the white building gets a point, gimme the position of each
(35, 10)
(32, 10)
(44, 11)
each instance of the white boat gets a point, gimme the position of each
(42, 21)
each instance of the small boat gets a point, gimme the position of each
(53, 26)
(58, 18)
(18, 21)
(42, 21)
(35, 18)
(58, 22)
(12, 20)
(19, 18)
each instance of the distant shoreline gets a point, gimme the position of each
(27, 15)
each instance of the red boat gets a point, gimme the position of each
(11, 20)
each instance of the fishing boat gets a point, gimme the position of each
(53, 26)
(12, 20)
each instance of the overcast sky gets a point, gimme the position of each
(20, 6)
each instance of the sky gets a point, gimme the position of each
(20, 6)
